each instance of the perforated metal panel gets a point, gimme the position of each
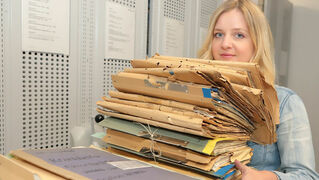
(203, 12)
(112, 66)
(2, 117)
(87, 52)
(170, 27)
(45, 100)
(174, 9)
(128, 3)
(206, 10)
(48, 93)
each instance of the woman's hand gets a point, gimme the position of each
(252, 174)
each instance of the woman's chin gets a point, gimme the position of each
(229, 59)
(234, 59)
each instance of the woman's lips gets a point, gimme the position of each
(227, 55)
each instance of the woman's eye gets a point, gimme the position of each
(239, 35)
(218, 35)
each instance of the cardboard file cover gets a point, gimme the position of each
(187, 92)
(160, 87)
(259, 81)
(241, 73)
(195, 94)
(165, 120)
(220, 113)
(154, 123)
(220, 173)
(148, 148)
(187, 141)
(13, 168)
(90, 163)
(174, 114)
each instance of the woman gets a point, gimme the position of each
(239, 31)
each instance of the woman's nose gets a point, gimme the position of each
(227, 42)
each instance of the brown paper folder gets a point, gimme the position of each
(185, 92)
(220, 114)
(155, 123)
(239, 74)
(147, 99)
(212, 118)
(154, 66)
(29, 158)
(15, 168)
(191, 93)
(252, 69)
(90, 163)
(161, 87)
(210, 98)
(187, 157)
(186, 74)
(258, 80)
(171, 121)
(156, 115)
(194, 143)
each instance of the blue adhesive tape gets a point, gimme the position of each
(218, 100)
(229, 174)
(206, 92)
(215, 90)
(222, 171)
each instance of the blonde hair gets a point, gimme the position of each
(259, 31)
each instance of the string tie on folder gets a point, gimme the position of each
(153, 142)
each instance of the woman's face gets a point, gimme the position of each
(231, 38)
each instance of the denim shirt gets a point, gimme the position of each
(292, 156)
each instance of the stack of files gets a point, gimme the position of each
(206, 101)
(213, 157)
(79, 164)
(213, 99)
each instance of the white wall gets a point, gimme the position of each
(303, 69)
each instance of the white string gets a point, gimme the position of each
(153, 142)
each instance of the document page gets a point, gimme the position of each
(119, 31)
(45, 25)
